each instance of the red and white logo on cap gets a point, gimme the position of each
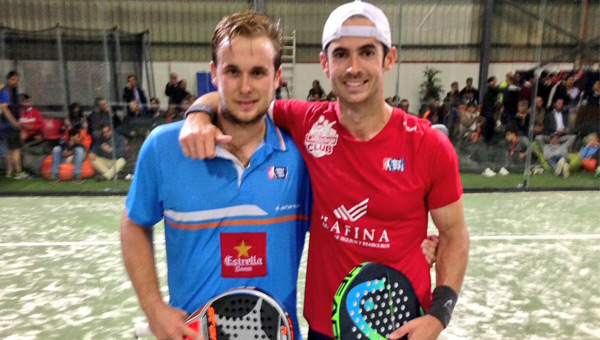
(243, 255)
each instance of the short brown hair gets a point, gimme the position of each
(248, 24)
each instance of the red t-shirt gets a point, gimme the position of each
(32, 122)
(371, 198)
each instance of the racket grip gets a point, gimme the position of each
(142, 330)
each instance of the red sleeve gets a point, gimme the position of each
(289, 114)
(444, 185)
(39, 122)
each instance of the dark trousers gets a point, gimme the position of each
(312, 335)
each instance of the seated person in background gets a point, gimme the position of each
(159, 116)
(31, 120)
(557, 120)
(135, 128)
(101, 154)
(556, 152)
(101, 116)
(331, 97)
(468, 119)
(315, 89)
(71, 152)
(521, 121)
(405, 105)
(540, 113)
(516, 147)
(590, 153)
(75, 117)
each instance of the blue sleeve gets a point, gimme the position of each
(144, 204)
(4, 97)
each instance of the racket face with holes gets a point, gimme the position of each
(372, 302)
(244, 313)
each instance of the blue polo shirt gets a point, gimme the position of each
(225, 225)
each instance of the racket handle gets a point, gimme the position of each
(142, 330)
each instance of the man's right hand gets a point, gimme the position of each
(168, 323)
(198, 136)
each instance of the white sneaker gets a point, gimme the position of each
(503, 172)
(21, 175)
(566, 171)
(559, 167)
(488, 173)
(538, 170)
(129, 177)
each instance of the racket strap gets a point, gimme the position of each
(442, 304)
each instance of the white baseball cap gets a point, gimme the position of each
(334, 28)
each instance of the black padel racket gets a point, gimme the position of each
(240, 313)
(373, 301)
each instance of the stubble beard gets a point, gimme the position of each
(235, 120)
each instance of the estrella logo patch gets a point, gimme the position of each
(393, 164)
(243, 254)
(278, 172)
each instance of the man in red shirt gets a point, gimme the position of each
(376, 174)
(31, 120)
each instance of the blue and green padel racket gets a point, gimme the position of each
(373, 301)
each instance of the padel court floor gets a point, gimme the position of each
(534, 268)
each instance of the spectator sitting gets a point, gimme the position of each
(453, 97)
(593, 96)
(31, 120)
(405, 105)
(171, 88)
(75, 117)
(590, 153)
(101, 155)
(159, 116)
(468, 120)
(315, 89)
(100, 117)
(557, 121)
(71, 152)
(556, 152)
(516, 147)
(331, 97)
(433, 112)
(133, 92)
(522, 118)
(469, 94)
(135, 128)
(540, 113)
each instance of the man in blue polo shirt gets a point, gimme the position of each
(237, 220)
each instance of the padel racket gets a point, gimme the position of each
(373, 301)
(240, 313)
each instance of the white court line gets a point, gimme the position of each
(473, 238)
